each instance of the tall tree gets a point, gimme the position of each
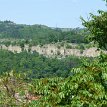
(97, 25)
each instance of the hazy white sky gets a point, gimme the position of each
(60, 13)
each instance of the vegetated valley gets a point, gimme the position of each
(42, 66)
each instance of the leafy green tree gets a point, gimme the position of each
(97, 25)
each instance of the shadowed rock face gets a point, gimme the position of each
(52, 50)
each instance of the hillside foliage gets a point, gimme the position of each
(39, 34)
(86, 87)
(37, 65)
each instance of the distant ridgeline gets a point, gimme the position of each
(40, 34)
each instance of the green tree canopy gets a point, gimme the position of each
(97, 25)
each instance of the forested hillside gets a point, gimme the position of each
(28, 79)
(40, 34)
(37, 66)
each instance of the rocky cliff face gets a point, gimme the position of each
(51, 50)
